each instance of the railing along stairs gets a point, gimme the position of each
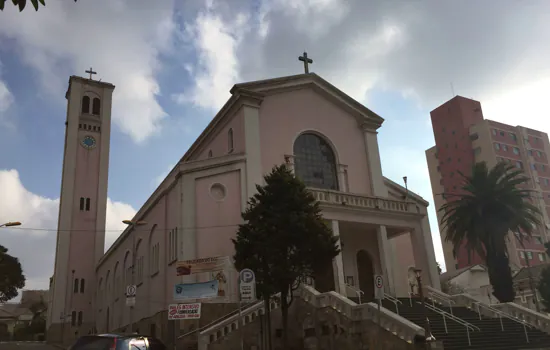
(469, 327)
(501, 314)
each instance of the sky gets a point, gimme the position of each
(174, 62)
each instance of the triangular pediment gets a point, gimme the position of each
(364, 116)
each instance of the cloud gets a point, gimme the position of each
(36, 248)
(121, 40)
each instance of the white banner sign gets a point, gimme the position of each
(190, 311)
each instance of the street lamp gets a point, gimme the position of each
(406, 188)
(428, 332)
(131, 224)
(11, 223)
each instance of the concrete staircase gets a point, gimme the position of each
(320, 319)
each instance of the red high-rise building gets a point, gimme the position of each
(462, 138)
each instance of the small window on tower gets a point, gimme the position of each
(86, 104)
(73, 318)
(96, 107)
(80, 318)
(87, 204)
(81, 203)
(82, 285)
(75, 288)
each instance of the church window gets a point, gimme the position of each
(75, 287)
(87, 204)
(81, 203)
(86, 104)
(173, 245)
(230, 140)
(96, 106)
(73, 318)
(82, 285)
(154, 259)
(80, 318)
(210, 154)
(315, 162)
(98, 128)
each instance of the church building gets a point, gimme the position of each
(325, 137)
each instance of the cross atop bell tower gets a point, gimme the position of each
(82, 208)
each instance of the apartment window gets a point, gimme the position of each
(504, 148)
(497, 146)
(519, 165)
(530, 255)
(516, 150)
(539, 154)
(477, 150)
(542, 167)
(474, 136)
(533, 166)
(522, 254)
(545, 182)
(530, 152)
(494, 132)
(502, 133)
(538, 240)
(542, 257)
(513, 136)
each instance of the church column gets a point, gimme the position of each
(424, 254)
(337, 262)
(375, 165)
(251, 112)
(386, 259)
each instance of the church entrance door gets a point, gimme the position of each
(365, 271)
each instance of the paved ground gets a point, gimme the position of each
(23, 345)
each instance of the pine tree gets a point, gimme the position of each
(284, 239)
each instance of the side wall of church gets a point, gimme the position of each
(219, 144)
(284, 116)
(156, 253)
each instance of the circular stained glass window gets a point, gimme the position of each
(88, 142)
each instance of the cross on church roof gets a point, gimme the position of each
(306, 61)
(91, 72)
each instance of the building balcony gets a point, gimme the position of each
(365, 202)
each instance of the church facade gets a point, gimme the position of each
(328, 139)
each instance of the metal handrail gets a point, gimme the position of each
(449, 301)
(460, 321)
(394, 300)
(505, 315)
(357, 291)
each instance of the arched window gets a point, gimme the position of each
(82, 285)
(314, 162)
(73, 318)
(86, 104)
(75, 287)
(230, 141)
(80, 318)
(96, 106)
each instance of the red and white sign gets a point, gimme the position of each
(190, 311)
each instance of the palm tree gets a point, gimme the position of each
(492, 203)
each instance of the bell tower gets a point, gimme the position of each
(82, 209)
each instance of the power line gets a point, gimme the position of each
(133, 230)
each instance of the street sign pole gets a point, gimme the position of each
(247, 292)
(379, 294)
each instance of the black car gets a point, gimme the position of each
(117, 342)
